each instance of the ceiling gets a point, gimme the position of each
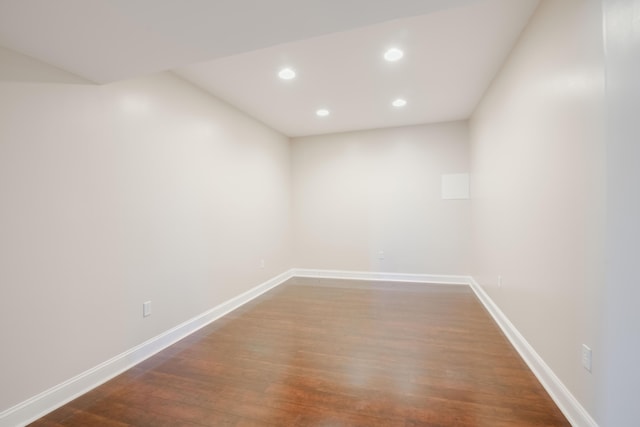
(234, 49)
(450, 57)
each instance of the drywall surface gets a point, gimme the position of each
(114, 195)
(16, 67)
(538, 174)
(371, 200)
(621, 371)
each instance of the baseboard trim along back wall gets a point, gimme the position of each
(47, 401)
(391, 277)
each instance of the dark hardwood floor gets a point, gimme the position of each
(316, 352)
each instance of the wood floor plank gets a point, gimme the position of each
(333, 353)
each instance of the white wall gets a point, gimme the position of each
(112, 195)
(151, 189)
(537, 156)
(355, 194)
(620, 393)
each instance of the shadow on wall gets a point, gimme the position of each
(15, 67)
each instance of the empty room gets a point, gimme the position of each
(319, 213)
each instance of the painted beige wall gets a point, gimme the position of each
(355, 194)
(151, 189)
(537, 155)
(621, 370)
(112, 195)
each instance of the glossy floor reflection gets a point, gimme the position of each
(319, 352)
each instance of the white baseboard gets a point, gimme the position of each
(381, 276)
(568, 404)
(49, 400)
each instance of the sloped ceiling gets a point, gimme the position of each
(234, 49)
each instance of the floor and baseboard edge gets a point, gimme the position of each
(45, 402)
(382, 276)
(576, 414)
(51, 399)
(568, 404)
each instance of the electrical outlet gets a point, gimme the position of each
(500, 281)
(146, 309)
(381, 255)
(586, 357)
(261, 263)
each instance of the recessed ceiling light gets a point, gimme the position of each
(399, 102)
(393, 54)
(323, 112)
(286, 74)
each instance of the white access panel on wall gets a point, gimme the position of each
(455, 186)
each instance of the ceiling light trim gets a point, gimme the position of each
(399, 102)
(393, 55)
(287, 73)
